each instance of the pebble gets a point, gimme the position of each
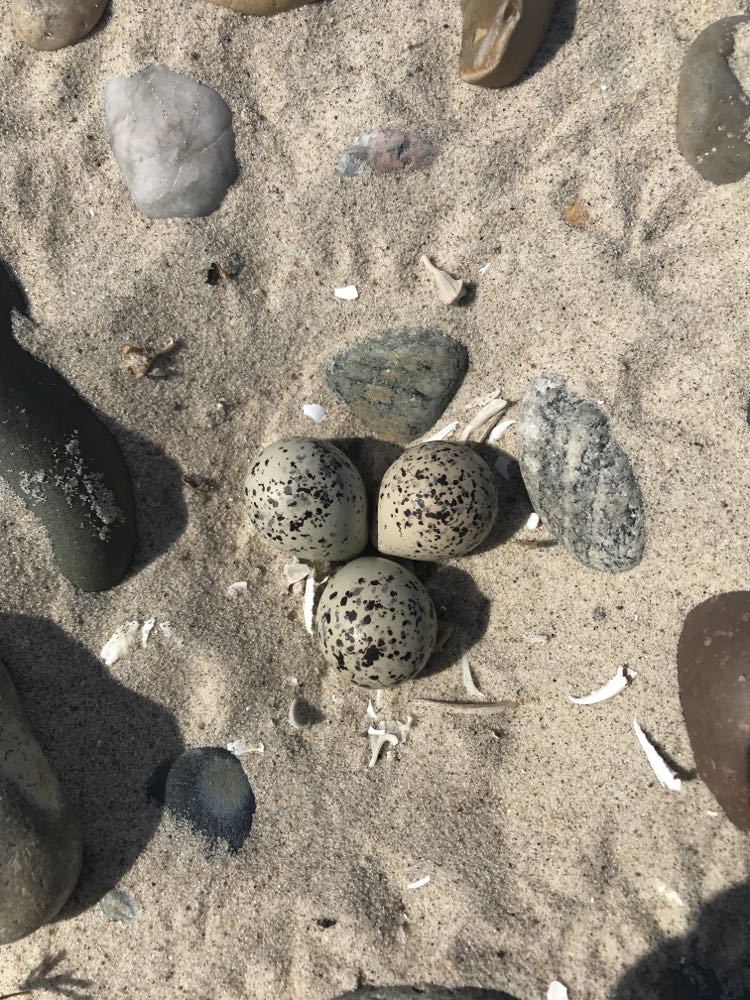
(209, 788)
(579, 479)
(120, 906)
(52, 24)
(65, 466)
(173, 141)
(386, 151)
(713, 109)
(262, 8)
(424, 992)
(40, 842)
(713, 671)
(501, 38)
(399, 384)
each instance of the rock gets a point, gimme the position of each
(500, 39)
(208, 787)
(40, 843)
(173, 141)
(53, 24)
(64, 464)
(713, 667)
(713, 108)
(399, 384)
(386, 151)
(425, 992)
(262, 8)
(580, 481)
(120, 906)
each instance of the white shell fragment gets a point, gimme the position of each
(557, 991)
(315, 412)
(239, 748)
(371, 711)
(235, 589)
(533, 522)
(348, 293)
(298, 718)
(499, 429)
(391, 733)
(146, 630)
(312, 588)
(618, 683)
(485, 267)
(450, 290)
(379, 700)
(444, 433)
(419, 883)
(471, 689)
(482, 400)
(479, 426)
(295, 573)
(121, 643)
(659, 766)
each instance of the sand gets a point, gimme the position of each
(552, 851)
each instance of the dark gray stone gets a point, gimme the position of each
(63, 463)
(713, 110)
(40, 842)
(120, 906)
(580, 481)
(424, 993)
(399, 384)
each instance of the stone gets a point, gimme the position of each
(386, 151)
(53, 24)
(399, 384)
(580, 481)
(40, 843)
(120, 906)
(63, 464)
(501, 38)
(262, 8)
(424, 992)
(713, 670)
(173, 141)
(209, 788)
(713, 107)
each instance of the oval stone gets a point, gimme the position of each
(53, 24)
(579, 479)
(713, 667)
(40, 842)
(262, 8)
(500, 39)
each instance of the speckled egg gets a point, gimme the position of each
(306, 498)
(437, 500)
(376, 623)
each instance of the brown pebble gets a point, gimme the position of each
(500, 39)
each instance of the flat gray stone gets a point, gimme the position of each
(399, 384)
(120, 906)
(386, 151)
(173, 141)
(53, 24)
(580, 481)
(40, 842)
(713, 109)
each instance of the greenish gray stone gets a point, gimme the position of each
(713, 110)
(40, 842)
(399, 384)
(64, 464)
(120, 906)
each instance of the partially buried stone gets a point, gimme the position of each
(399, 384)
(386, 151)
(262, 8)
(120, 906)
(53, 24)
(40, 842)
(173, 141)
(424, 992)
(209, 788)
(500, 39)
(580, 481)
(713, 668)
(713, 106)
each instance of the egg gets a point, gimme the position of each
(437, 500)
(306, 498)
(376, 623)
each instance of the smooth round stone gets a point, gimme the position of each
(713, 669)
(53, 24)
(209, 788)
(500, 39)
(262, 8)
(40, 842)
(713, 109)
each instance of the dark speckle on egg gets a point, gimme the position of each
(376, 623)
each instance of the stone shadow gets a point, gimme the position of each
(462, 608)
(515, 504)
(560, 31)
(101, 739)
(710, 962)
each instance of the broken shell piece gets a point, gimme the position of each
(392, 733)
(533, 522)
(500, 39)
(557, 991)
(471, 689)
(444, 433)
(312, 588)
(315, 412)
(239, 748)
(419, 883)
(348, 293)
(235, 589)
(659, 766)
(499, 429)
(137, 362)
(618, 683)
(386, 151)
(479, 426)
(146, 630)
(450, 290)
(121, 643)
(295, 573)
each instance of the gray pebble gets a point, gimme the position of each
(425, 992)
(53, 24)
(120, 906)
(399, 384)
(386, 151)
(579, 479)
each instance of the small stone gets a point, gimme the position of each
(209, 788)
(501, 38)
(399, 384)
(386, 151)
(262, 8)
(424, 992)
(713, 106)
(713, 670)
(599, 614)
(579, 479)
(53, 24)
(119, 906)
(173, 141)
(40, 842)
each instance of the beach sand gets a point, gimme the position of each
(552, 851)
